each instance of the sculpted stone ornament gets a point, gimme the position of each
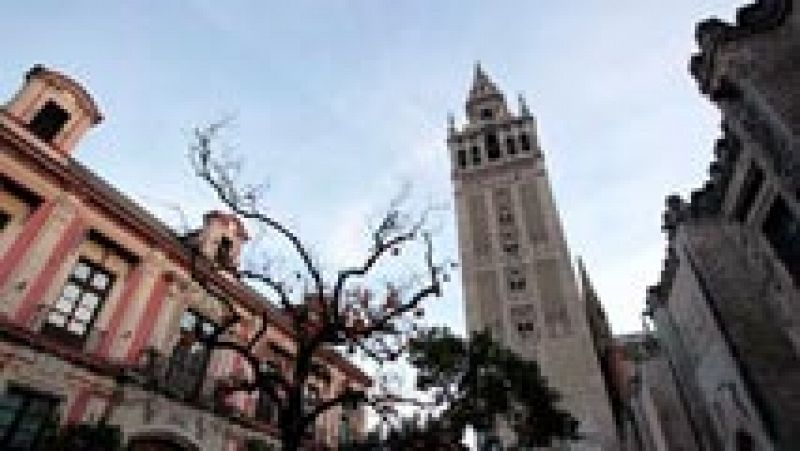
(712, 34)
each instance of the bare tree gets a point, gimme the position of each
(376, 323)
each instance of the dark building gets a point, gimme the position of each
(727, 307)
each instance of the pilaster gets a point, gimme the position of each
(65, 231)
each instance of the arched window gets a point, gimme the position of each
(492, 147)
(476, 155)
(224, 253)
(525, 142)
(462, 158)
(511, 146)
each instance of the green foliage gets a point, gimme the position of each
(86, 437)
(478, 381)
(257, 445)
(412, 435)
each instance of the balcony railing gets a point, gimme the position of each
(150, 373)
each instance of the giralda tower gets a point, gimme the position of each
(518, 278)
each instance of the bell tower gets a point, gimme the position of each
(518, 277)
(52, 109)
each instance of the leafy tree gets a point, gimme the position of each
(478, 382)
(412, 434)
(257, 445)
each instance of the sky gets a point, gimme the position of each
(337, 103)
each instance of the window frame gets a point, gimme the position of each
(525, 142)
(461, 158)
(84, 286)
(511, 145)
(181, 379)
(476, 155)
(28, 396)
(525, 326)
(223, 255)
(493, 152)
(516, 280)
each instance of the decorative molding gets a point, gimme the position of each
(711, 34)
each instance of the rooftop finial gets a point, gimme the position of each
(480, 75)
(524, 111)
(451, 123)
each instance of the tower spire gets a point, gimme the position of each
(485, 101)
(451, 124)
(480, 75)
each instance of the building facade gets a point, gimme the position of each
(518, 277)
(726, 310)
(101, 311)
(654, 416)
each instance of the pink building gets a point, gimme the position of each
(92, 286)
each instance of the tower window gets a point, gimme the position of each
(224, 255)
(525, 327)
(5, 218)
(492, 147)
(525, 142)
(511, 146)
(511, 248)
(516, 281)
(486, 113)
(462, 158)
(476, 155)
(48, 121)
(505, 216)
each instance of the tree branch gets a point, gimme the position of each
(263, 379)
(381, 246)
(433, 289)
(217, 175)
(345, 397)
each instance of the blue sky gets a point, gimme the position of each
(337, 102)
